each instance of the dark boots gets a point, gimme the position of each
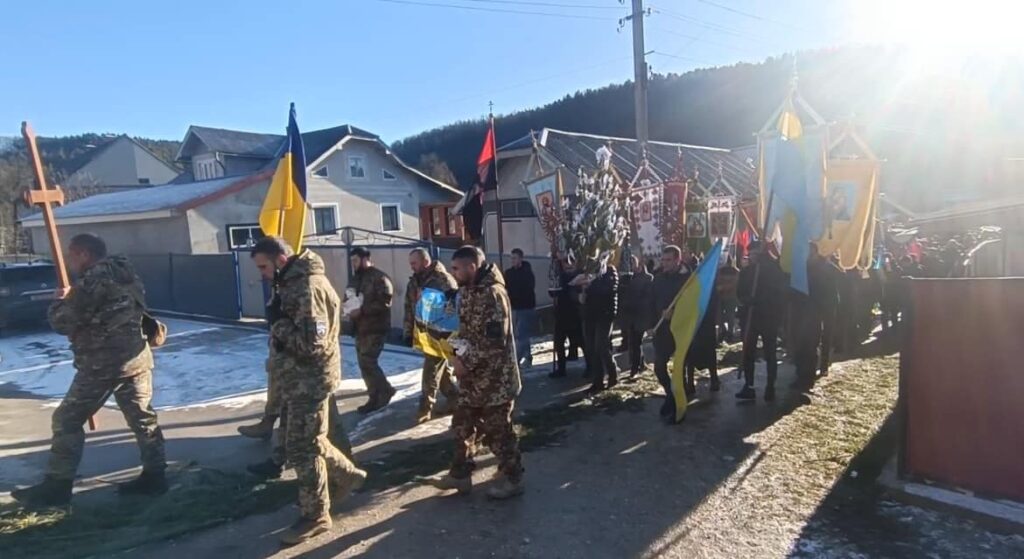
(148, 483)
(268, 469)
(262, 430)
(52, 492)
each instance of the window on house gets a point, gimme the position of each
(243, 236)
(325, 220)
(390, 217)
(387, 176)
(453, 222)
(143, 181)
(356, 167)
(321, 172)
(437, 220)
(517, 208)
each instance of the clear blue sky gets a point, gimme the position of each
(153, 68)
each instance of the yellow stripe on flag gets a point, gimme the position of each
(284, 210)
(683, 327)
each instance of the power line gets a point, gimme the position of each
(746, 14)
(549, 4)
(698, 37)
(496, 10)
(708, 25)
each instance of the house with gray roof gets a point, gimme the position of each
(121, 162)
(714, 172)
(354, 179)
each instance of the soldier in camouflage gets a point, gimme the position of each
(436, 371)
(372, 321)
(488, 377)
(307, 356)
(101, 315)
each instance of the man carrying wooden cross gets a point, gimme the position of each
(102, 317)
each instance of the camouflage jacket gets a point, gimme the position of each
(436, 277)
(306, 351)
(492, 375)
(377, 290)
(102, 317)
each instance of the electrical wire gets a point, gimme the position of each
(549, 4)
(496, 10)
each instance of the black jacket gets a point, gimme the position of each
(520, 284)
(635, 300)
(602, 297)
(770, 294)
(665, 288)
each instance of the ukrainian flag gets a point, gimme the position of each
(690, 306)
(284, 210)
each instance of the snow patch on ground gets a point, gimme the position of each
(201, 365)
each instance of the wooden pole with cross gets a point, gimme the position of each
(45, 197)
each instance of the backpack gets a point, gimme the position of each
(154, 330)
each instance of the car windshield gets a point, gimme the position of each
(27, 276)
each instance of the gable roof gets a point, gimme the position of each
(267, 146)
(720, 172)
(87, 157)
(157, 201)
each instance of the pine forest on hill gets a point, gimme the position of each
(934, 131)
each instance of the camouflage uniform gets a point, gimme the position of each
(102, 318)
(491, 383)
(372, 327)
(436, 371)
(307, 358)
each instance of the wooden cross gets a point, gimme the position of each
(46, 197)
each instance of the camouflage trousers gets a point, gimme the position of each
(436, 374)
(315, 459)
(491, 425)
(368, 348)
(336, 432)
(273, 407)
(85, 397)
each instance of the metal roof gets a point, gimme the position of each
(719, 171)
(269, 146)
(156, 198)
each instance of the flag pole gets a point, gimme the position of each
(497, 193)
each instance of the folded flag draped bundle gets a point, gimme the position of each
(437, 318)
(690, 306)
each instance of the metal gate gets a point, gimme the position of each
(196, 284)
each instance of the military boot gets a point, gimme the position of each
(506, 489)
(447, 482)
(350, 482)
(148, 483)
(422, 416)
(52, 492)
(262, 430)
(306, 529)
(268, 469)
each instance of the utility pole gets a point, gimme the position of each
(639, 72)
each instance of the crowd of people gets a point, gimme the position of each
(106, 320)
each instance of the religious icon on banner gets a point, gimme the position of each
(646, 209)
(545, 195)
(696, 225)
(842, 195)
(720, 217)
(673, 222)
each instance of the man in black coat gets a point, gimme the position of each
(568, 326)
(600, 307)
(762, 290)
(520, 284)
(665, 287)
(814, 317)
(636, 318)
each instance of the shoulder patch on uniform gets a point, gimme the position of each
(321, 328)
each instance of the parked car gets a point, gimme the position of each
(26, 291)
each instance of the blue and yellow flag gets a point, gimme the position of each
(690, 306)
(284, 210)
(437, 318)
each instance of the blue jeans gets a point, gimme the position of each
(522, 327)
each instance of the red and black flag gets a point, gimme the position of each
(472, 205)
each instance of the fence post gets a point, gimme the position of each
(170, 281)
(238, 283)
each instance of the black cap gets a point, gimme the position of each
(360, 252)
